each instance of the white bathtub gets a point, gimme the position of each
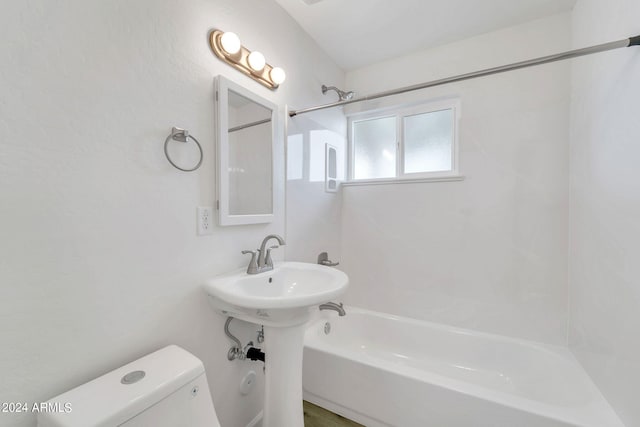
(384, 370)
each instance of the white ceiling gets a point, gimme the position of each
(356, 33)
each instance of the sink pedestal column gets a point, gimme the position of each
(283, 376)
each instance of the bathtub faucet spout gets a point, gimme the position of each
(333, 306)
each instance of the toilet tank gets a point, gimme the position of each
(167, 388)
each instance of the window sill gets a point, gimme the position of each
(386, 181)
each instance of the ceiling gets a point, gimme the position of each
(356, 33)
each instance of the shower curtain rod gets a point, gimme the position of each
(631, 41)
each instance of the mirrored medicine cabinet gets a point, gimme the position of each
(245, 138)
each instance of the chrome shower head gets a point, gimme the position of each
(344, 96)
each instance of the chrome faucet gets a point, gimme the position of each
(333, 306)
(264, 258)
(261, 260)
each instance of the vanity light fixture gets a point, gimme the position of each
(227, 46)
(230, 43)
(256, 61)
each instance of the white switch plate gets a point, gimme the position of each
(205, 220)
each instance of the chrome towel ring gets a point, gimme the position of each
(181, 135)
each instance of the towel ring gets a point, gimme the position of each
(181, 135)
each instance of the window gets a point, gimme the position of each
(419, 142)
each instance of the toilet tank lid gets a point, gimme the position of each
(107, 401)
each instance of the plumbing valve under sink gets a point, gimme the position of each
(246, 352)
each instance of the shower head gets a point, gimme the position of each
(344, 96)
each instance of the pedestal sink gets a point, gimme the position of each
(281, 300)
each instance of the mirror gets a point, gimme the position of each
(246, 125)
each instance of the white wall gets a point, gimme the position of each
(490, 252)
(99, 260)
(604, 311)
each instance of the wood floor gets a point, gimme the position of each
(315, 416)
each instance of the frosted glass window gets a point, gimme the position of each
(374, 148)
(428, 142)
(411, 142)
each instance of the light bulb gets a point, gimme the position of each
(277, 75)
(256, 61)
(230, 43)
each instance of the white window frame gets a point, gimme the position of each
(400, 112)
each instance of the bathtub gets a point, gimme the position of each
(384, 370)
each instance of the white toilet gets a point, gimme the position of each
(167, 388)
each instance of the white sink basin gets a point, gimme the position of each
(281, 301)
(280, 297)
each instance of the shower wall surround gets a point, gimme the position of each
(604, 273)
(314, 215)
(99, 261)
(490, 252)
